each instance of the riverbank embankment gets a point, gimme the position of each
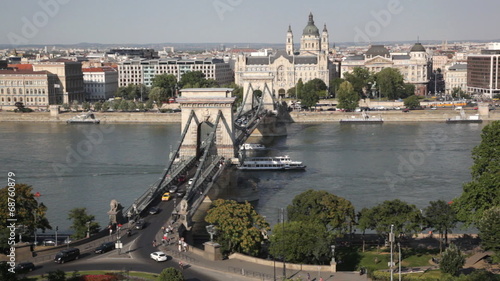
(440, 115)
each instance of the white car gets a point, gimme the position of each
(190, 182)
(159, 256)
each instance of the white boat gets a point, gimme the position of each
(252, 146)
(464, 118)
(271, 163)
(84, 118)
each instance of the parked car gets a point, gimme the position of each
(24, 267)
(158, 256)
(67, 255)
(49, 242)
(406, 110)
(104, 247)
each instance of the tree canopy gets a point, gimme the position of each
(82, 222)
(240, 228)
(301, 242)
(132, 91)
(27, 211)
(347, 98)
(441, 217)
(412, 102)
(158, 95)
(489, 229)
(483, 192)
(390, 83)
(165, 81)
(321, 207)
(196, 79)
(359, 79)
(452, 260)
(171, 274)
(406, 218)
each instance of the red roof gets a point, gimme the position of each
(98, 69)
(23, 71)
(22, 66)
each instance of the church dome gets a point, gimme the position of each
(417, 48)
(377, 50)
(310, 28)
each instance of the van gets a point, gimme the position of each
(67, 255)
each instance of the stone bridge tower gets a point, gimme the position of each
(263, 82)
(206, 104)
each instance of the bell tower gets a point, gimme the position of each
(324, 40)
(289, 41)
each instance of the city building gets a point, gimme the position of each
(32, 88)
(414, 66)
(145, 53)
(483, 73)
(455, 76)
(138, 71)
(100, 83)
(70, 84)
(286, 67)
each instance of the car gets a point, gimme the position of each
(49, 242)
(158, 256)
(154, 210)
(166, 196)
(459, 108)
(180, 193)
(406, 110)
(24, 267)
(68, 240)
(190, 182)
(140, 224)
(173, 189)
(67, 255)
(105, 247)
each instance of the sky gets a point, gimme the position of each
(48, 22)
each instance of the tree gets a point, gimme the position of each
(321, 207)
(116, 104)
(193, 79)
(124, 105)
(408, 90)
(458, 93)
(301, 242)
(452, 260)
(442, 218)
(82, 222)
(359, 79)
(171, 274)
(105, 106)
(309, 96)
(5, 274)
(240, 228)
(29, 214)
(346, 97)
(66, 106)
(132, 106)
(158, 95)
(390, 83)
(165, 81)
(300, 89)
(483, 192)
(406, 218)
(75, 105)
(489, 229)
(98, 106)
(57, 275)
(140, 106)
(149, 104)
(85, 106)
(412, 102)
(335, 85)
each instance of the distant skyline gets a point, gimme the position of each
(48, 22)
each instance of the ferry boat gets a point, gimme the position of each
(252, 146)
(271, 163)
(365, 119)
(84, 118)
(463, 118)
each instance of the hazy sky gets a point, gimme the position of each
(241, 21)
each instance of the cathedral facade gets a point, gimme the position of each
(286, 67)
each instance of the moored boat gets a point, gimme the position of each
(252, 146)
(271, 163)
(87, 118)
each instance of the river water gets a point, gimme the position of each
(87, 166)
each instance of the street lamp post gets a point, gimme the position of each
(391, 240)
(88, 229)
(333, 253)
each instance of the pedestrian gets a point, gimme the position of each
(184, 246)
(154, 243)
(181, 266)
(110, 231)
(308, 277)
(180, 246)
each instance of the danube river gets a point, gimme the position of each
(87, 166)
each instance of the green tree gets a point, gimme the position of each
(346, 97)
(452, 260)
(149, 104)
(105, 106)
(98, 106)
(309, 96)
(489, 229)
(140, 106)
(29, 214)
(406, 218)
(335, 85)
(300, 89)
(408, 90)
(240, 228)
(193, 79)
(171, 274)
(122, 92)
(75, 105)
(412, 102)
(116, 104)
(301, 242)
(321, 207)
(165, 81)
(5, 274)
(359, 79)
(483, 192)
(124, 105)
(66, 106)
(442, 218)
(85, 106)
(132, 106)
(158, 95)
(390, 83)
(57, 275)
(82, 222)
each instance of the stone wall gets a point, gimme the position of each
(108, 117)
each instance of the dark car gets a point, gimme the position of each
(154, 210)
(105, 247)
(24, 267)
(67, 255)
(140, 224)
